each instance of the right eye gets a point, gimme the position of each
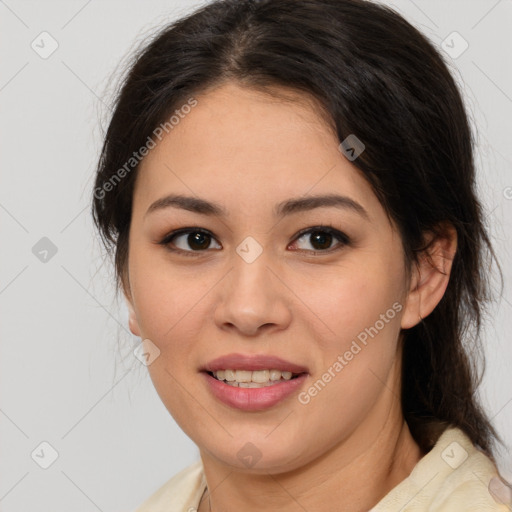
(195, 238)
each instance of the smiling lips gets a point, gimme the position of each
(253, 382)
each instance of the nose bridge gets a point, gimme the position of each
(250, 250)
(250, 275)
(251, 297)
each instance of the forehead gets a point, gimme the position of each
(251, 147)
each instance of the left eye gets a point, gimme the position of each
(321, 239)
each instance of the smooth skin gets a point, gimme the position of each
(247, 151)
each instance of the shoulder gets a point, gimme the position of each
(181, 492)
(454, 475)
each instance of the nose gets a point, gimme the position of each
(253, 299)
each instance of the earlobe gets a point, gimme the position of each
(132, 319)
(125, 287)
(133, 324)
(430, 277)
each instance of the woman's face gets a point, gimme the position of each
(250, 288)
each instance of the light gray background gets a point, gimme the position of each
(64, 377)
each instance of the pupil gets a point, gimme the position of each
(200, 239)
(323, 239)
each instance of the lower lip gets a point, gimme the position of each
(253, 399)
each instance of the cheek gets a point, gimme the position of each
(167, 308)
(163, 293)
(356, 323)
(356, 361)
(345, 302)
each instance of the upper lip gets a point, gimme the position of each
(252, 362)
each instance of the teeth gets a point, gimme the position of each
(250, 385)
(243, 376)
(275, 375)
(260, 376)
(229, 375)
(252, 379)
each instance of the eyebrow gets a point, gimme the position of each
(291, 206)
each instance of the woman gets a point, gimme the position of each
(289, 190)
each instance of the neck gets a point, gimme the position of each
(355, 474)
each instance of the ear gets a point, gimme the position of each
(430, 275)
(132, 317)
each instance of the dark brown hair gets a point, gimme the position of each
(377, 77)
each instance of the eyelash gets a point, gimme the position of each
(342, 238)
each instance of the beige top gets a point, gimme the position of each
(453, 477)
